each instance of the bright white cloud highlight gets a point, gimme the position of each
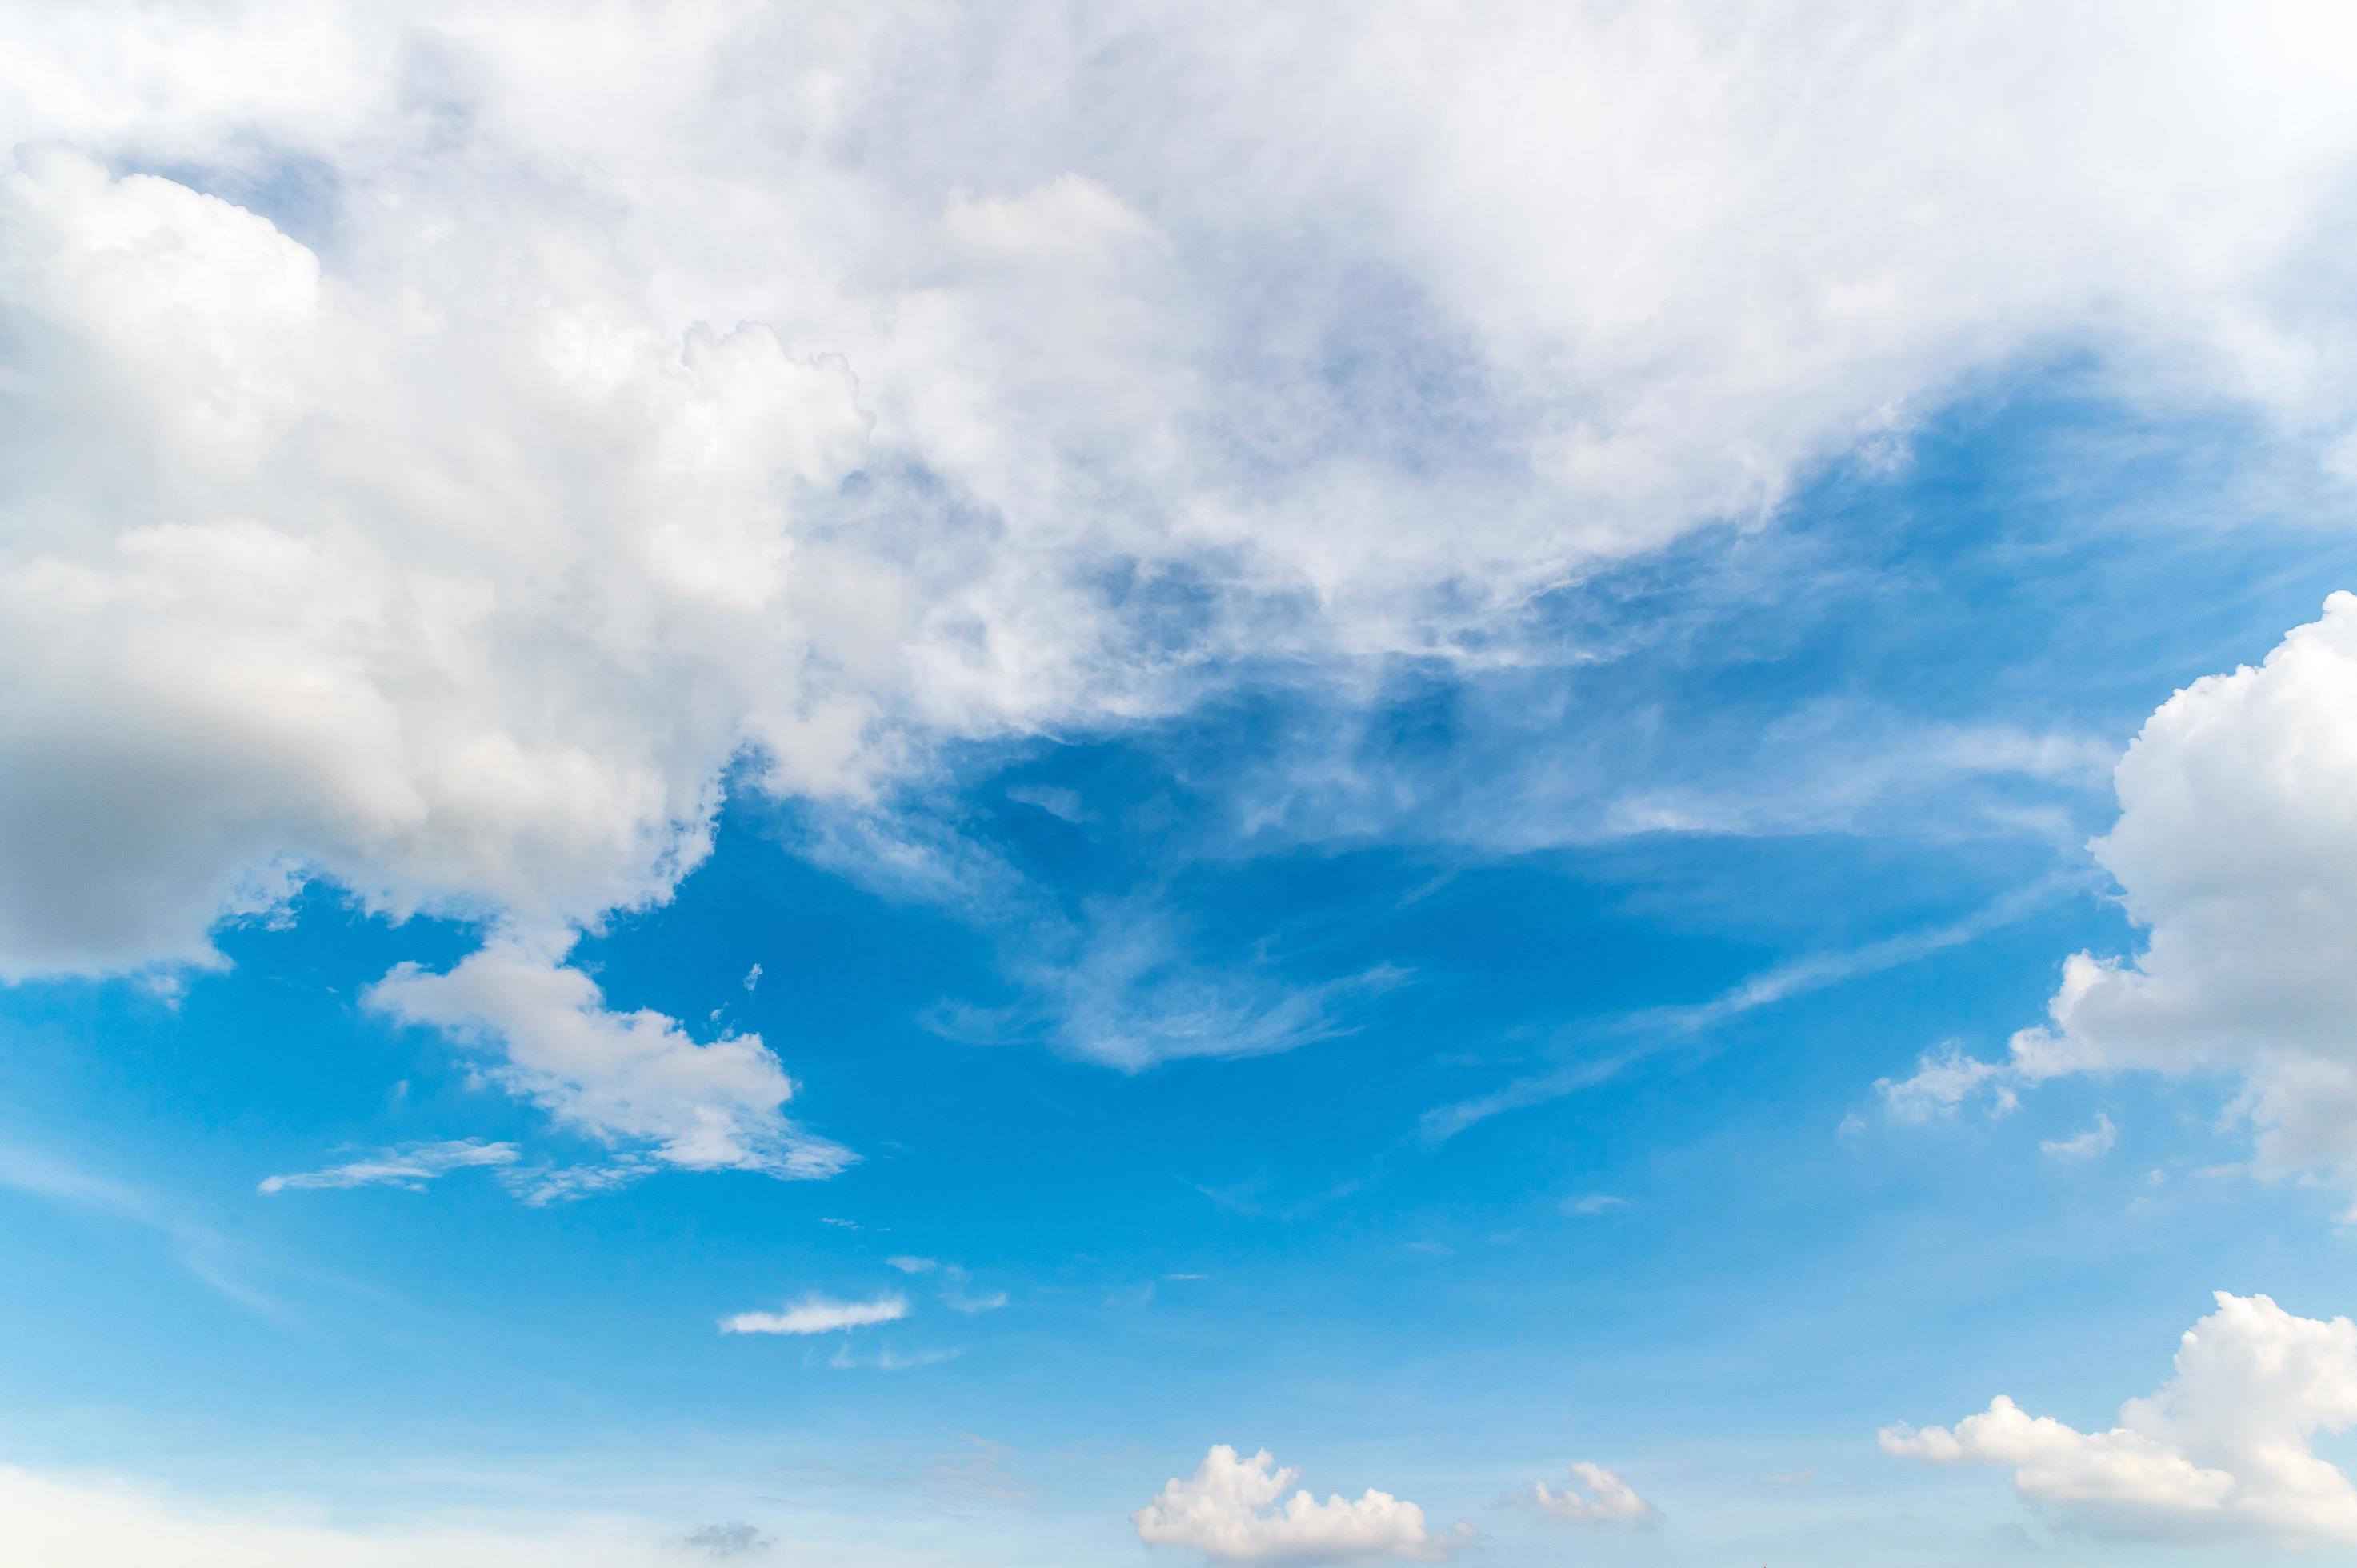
(635, 1081)
(411, 1167)
(2236, 847)
(623, 392)
(816, 1314)
(1596, 1495)
(2225, 1447)
(1234, 1509)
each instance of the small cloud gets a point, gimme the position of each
(540, 1186)
(816, 1314)
(1800, 1477)
(959, 1299)
(2092, 1144)
(1944, 1081)
(1607, 1499)
(409, 1166)
(1851, 1126)
(735, 1539)
(752, 977)
(1592, 1204)
(838, 1224)
(909, 1265)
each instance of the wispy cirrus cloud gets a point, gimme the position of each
(408, 1166)
(817, 1313)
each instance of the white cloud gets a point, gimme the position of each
(1592, 1204)
(101, 1522)
(1607, 1498)
(2236, 847)
(816, 1314)
(1942, 1081)
(2092, 1143)
(1235, 1510)
(461, 559)
(633, 1080)
(2225, 1447)
(1123, 987)
(411, 1165)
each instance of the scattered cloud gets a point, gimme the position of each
(543, 1185)
(2224, 1449)
(2234, 848)
(1588, 1205)
(1596, 1495)
(1943, 1081)
(817, 1313)
(410, 1165)
(2090, 1144)
(752, 977)
(1234, 1509)
(633, 1080)
(1128, 987)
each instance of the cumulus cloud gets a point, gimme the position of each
(816, 1314)
(2236, 849)
(411, 1165)
(2225, 1447)
(698, 398)
(1597, 1496)
(1234, 1509)
(631, 1080)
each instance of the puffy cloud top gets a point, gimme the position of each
(1235, 1510)
(2225, 1446)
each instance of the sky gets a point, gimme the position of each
(913, 785)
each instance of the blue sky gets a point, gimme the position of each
(785, 790)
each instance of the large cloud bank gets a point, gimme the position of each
(2226, 1447)
(439, 442)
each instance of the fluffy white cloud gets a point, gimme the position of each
(93, 1522)
(635, 1081)
(1235, 1510)
(444, 553)
(817, 1313)
(411, 1165)
(2237, 848)
(2225, 1446)
(439, 443)
(1609, 1498)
